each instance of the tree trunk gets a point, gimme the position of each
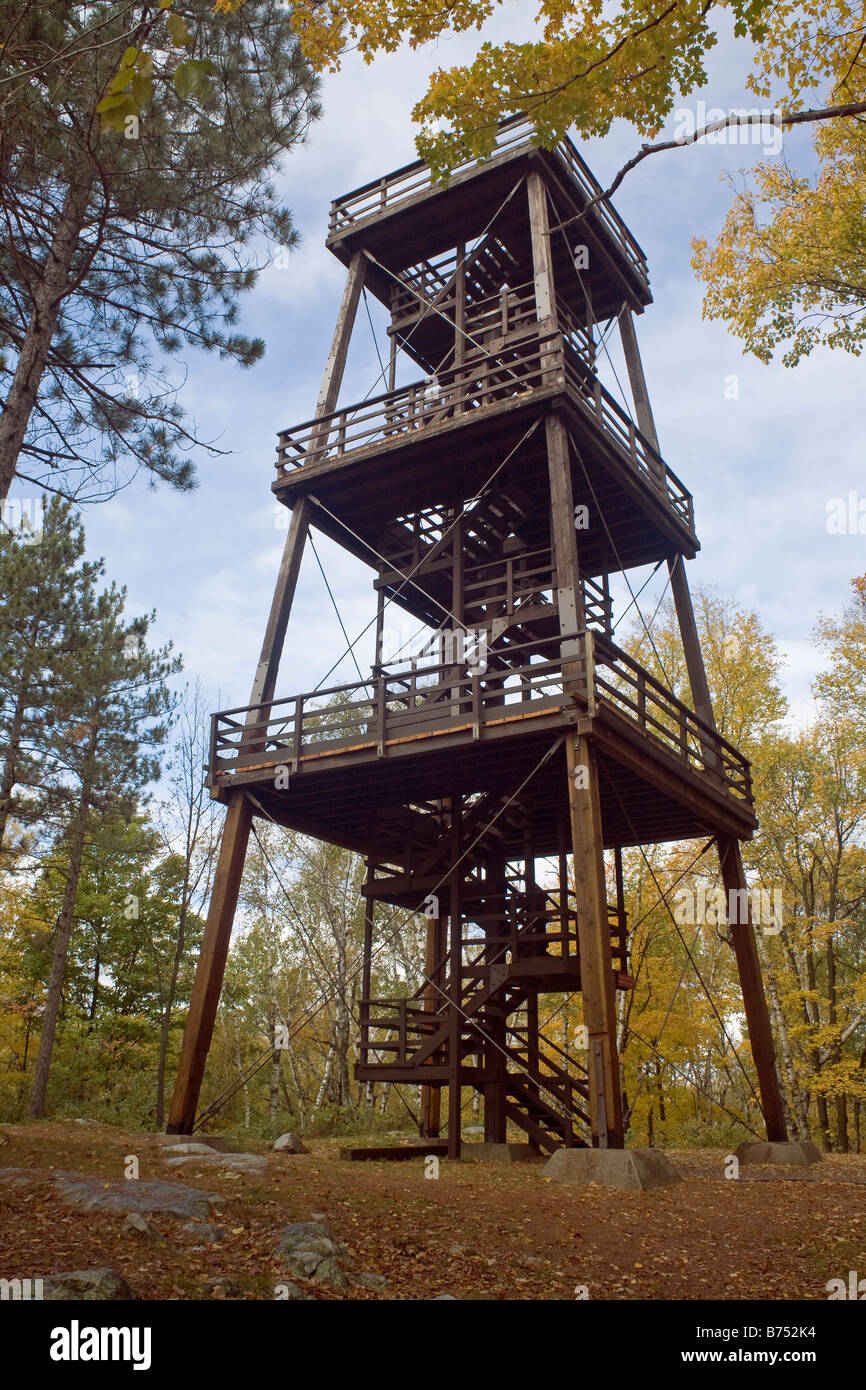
(836, 1052)
(33, 355)
(240, 1066)
(326, 1079)
(7, 783)
(799, 1108)
(299, 1091)
(61, 951)
(274, 1094)
(812, 1014)
(165, 1021)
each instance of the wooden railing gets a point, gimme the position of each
(623, 685)
(619, 428)
(482, 382)
(448, 699)
(524, 583)
(508, 312)
(387, 194)
(407, 704)
(529, 363)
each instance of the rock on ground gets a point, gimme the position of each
(239, 1163)
(291, 1144)
(310, 1251)
(95, 1194)
(138, 1225)
(89, 1285)
(204, 1232)
(292, 1293)
(188, 1148)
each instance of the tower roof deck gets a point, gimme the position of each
(393, 217)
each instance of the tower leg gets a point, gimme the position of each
(236, 828)
(593, 931)
(493, 1052)
(455, 927)
(751, 983)
(596, 964)
(431, 1096)
(211, 966)
(745, 948)
(233, 847)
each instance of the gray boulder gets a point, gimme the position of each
(149, 1198)
(290, 1144)
(288, 1292)
(204, 1232)
(91, 1193)
(89, 1285)
(236, 1163)
(137, 1225)
(309, 1251)
(188, 1148)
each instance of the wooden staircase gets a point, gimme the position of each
(516, 936)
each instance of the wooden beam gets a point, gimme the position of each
(265, 682)
(210, 970)
(207, 985)
(542, 255)
(336, 363)
(596, 966)
(593, 931)
(676, 564)
(455, 1030)
(431, 1096)
(751, 983)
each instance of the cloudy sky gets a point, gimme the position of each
(762, 467)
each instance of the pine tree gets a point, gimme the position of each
(111, 723)
(43, 583)
(126, 240)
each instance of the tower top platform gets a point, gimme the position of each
(391, 217)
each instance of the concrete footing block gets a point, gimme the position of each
(797, 1152)
(501, 1153)
(635, 1170)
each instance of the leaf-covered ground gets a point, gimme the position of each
(478, 1231)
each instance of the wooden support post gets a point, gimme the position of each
(596, 964)
(493, 1052)
(431, 1096)
(460, 307)
(542, 253)
(745, 948)
(210, 970)
(211, 965)
(336, 363)
(542, 267)
(265, 682)
(751, 984)
(676, 563)
(455, 1017)
(367, 959)
(637, 380)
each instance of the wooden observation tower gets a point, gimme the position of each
(492, 498)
